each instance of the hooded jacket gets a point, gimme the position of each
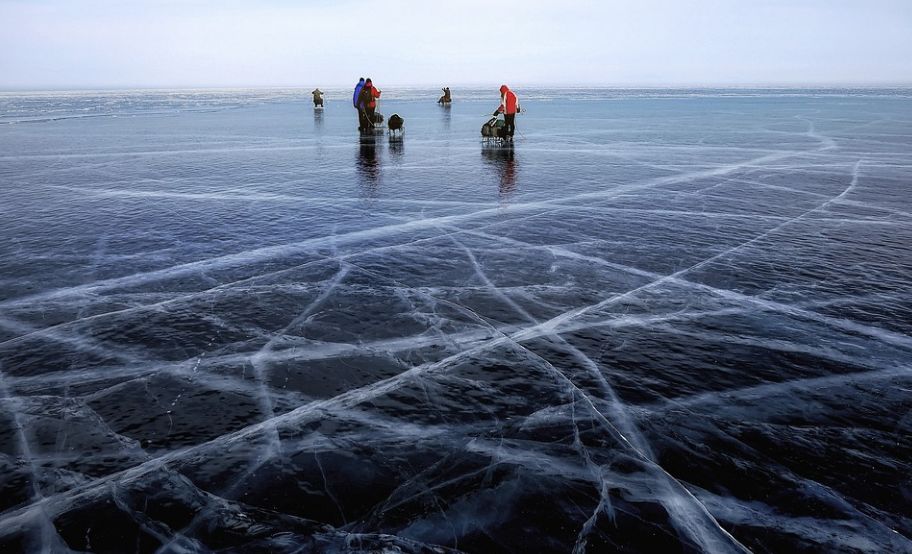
(368, 96)
(357, 94)
(509, 103)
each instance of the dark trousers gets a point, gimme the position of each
(366, 118)
(509, 124)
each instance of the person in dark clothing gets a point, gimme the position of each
(318, 97)
(357, 92)
(367, 104)
(355, 97)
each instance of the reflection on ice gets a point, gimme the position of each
(396, 149)
(368, 165)
(684, 326)
(502, 159)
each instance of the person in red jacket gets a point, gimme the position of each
(367, 104)
(509, 106)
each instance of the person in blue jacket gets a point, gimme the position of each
(358, 88)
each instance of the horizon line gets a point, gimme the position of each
(473, 85)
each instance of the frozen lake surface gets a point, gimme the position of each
(663, 321)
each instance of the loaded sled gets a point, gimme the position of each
(495, 130)
(377, 124)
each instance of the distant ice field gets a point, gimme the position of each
(661, 321)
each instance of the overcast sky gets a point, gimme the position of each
(223, 43)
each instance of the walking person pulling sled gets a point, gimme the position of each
(367, 105)
(509, 106)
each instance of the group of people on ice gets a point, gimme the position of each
(365, 101)
(366, 94)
